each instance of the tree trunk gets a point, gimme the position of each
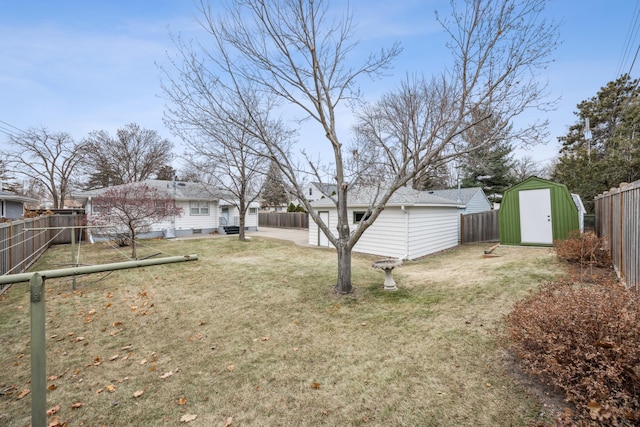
(344, 270)
(243, 214)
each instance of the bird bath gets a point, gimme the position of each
(388, 265)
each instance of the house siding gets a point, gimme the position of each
(478, 203)
(12, 210)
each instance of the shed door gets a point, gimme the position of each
(322, 239)
(535, 216)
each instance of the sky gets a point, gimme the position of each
(78, 66)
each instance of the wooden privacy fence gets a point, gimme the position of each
(22, 242)
(283, 219)
(617, 217)
(479, 227)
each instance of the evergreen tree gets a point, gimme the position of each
(489, 164)
(273, 191)
(593, 160)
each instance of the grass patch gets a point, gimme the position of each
(253, 331)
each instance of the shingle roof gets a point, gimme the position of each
(6, 195)
(183, 190)
(465, 194)
(365, 196)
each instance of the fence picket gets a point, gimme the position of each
(479, 227)
(617, 220)
(283, 219)
(21, 245)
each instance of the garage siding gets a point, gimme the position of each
(431, 230)
(418, 232)
(386, 237)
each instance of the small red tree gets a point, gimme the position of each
(132, 209)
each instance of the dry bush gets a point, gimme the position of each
(584, 340)
(586, 249)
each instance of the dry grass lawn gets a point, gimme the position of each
(251, 334)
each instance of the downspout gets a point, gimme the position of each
(406, 232)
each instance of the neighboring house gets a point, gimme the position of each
(12, 205)
(413, 223)
(318, 190)
(537, 212)
(204, 209)
(471, 200)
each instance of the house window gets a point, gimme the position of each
(253, 211)
(310, 191)
(360, 216)
(197, 207)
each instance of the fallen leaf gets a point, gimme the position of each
(77, 405)
(152, 368)
(265, 338)
(78, 339)
(138, 393)
(182, 401)
(52, 377)
(315, 385)
(114, 357)
(114, 333)
(55, 422)
(166, 375)
(187, 418)
(228, 422)
(91, 312)
(594, 409)
(52, 387)
(97, 361)
(100, 390)
(116, 324)
(230, 368)
(111, 388)
(143, 361)
(23, 393)
(202, 322)
(127, 347)
(53, 410)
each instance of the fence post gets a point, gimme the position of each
(38, 353)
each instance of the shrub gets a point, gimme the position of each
(586, 249)
(584, 340)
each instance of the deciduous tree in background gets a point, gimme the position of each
(132, 209)
(214, 127)
(303, 55)
(135, 154)
(48, 158)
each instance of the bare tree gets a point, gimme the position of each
(213, 125)
(300, 53)
(135, 154)
(48, 158)
(526, 167)
(132, 209)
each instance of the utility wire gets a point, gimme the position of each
(630, 41)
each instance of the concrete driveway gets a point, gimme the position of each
(298, 236)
